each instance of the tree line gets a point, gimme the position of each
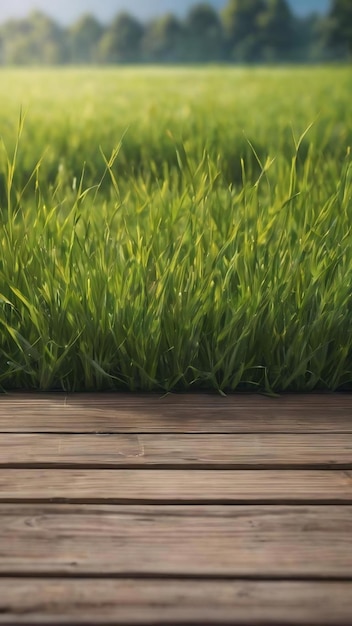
(246, 31)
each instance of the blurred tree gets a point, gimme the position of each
(250, 30)
(37, 40)
(163, 40)
(243, 33)
(310, 39)
(121, 42)
(277, 27)
(339, 27)
(83, 39)
(2, 60)
(204, 37)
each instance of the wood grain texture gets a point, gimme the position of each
(204, 510)
(132, 450)
(127, 413)
(246, 541)
(176, 486)
(160, 602)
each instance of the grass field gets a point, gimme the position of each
(171, 229)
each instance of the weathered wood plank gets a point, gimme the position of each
(132, 450)
(109, 413)
(245, 541)
(176, 486)
(162, 602)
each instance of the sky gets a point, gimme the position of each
(66, 11)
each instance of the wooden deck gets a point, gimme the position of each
(197, 510)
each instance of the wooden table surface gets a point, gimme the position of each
(182, 509)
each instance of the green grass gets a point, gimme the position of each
(172, 229)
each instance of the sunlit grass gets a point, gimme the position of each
(177, 229)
